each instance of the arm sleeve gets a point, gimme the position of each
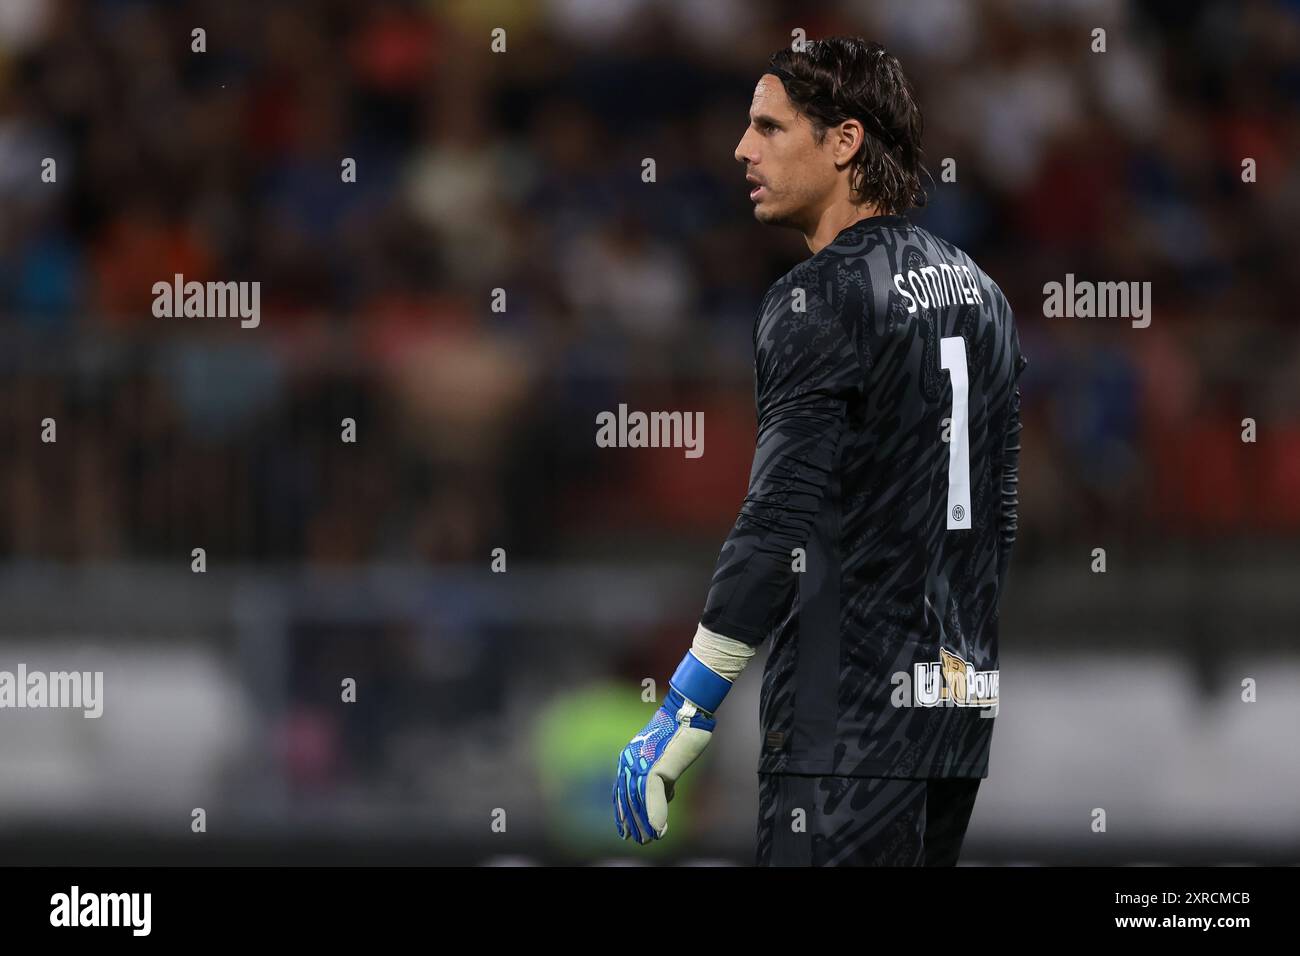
(808, 382)
(1010, 477)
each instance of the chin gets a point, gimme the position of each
(770, 217)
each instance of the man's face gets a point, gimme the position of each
(793, 176)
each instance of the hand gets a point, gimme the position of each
(650, 764)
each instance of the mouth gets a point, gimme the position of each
(758, 188)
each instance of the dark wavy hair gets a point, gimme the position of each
(842, 78)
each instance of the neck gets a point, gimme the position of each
(834, 220)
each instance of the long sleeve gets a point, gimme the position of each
(1010, 477)
(809, 379)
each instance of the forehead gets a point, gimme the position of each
(770, 96)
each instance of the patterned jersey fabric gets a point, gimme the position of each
(873, 542)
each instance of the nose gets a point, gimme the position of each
(744, 153)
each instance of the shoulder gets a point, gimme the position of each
(796, 305)
(799, 290)
(800, 338)
(957, 255)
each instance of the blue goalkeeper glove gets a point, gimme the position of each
(649, 766)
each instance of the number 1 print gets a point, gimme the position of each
(952, 356)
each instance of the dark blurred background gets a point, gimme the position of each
(485, 696)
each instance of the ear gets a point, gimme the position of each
(849, 139)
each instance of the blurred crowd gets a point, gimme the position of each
(520, 170)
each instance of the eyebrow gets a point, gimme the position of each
(765, 118)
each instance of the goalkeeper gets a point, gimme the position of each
(873, 543)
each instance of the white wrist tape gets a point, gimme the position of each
(722, 655)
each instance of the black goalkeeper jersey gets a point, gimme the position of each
(873, 543)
